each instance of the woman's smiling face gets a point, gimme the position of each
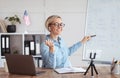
(56, 26)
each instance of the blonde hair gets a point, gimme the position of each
(50, 20)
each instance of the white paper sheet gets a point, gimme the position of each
(70, 70)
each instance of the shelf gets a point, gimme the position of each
(17, 41)
(17, 44)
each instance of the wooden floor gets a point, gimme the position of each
(103, 72)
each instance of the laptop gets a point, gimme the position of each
(21, 64)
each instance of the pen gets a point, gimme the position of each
(92, 35)
(117, 62)
(113, 64)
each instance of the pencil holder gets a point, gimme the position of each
(116, 69)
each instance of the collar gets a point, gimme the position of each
(58, 39)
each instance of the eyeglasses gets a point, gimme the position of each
(58, 24)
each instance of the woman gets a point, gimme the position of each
(54, 51)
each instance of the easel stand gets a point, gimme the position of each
(92, 66)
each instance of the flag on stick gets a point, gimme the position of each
(26, 18)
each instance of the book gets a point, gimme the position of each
(32, 47)
(3, 26)
(70, 70)
(27, 47)
(5, 44)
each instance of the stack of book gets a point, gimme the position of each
(32, 46)
(5, 44)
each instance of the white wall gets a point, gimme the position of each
(73, 13)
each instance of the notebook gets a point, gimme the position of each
(70, 70)
(21, 64)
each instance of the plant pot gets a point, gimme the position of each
(11, 28)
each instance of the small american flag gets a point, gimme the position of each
(26, 18)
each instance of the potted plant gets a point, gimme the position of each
(15, 50)
(13, 21)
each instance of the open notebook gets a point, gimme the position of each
(70, 70)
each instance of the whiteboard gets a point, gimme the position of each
(103, 20)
